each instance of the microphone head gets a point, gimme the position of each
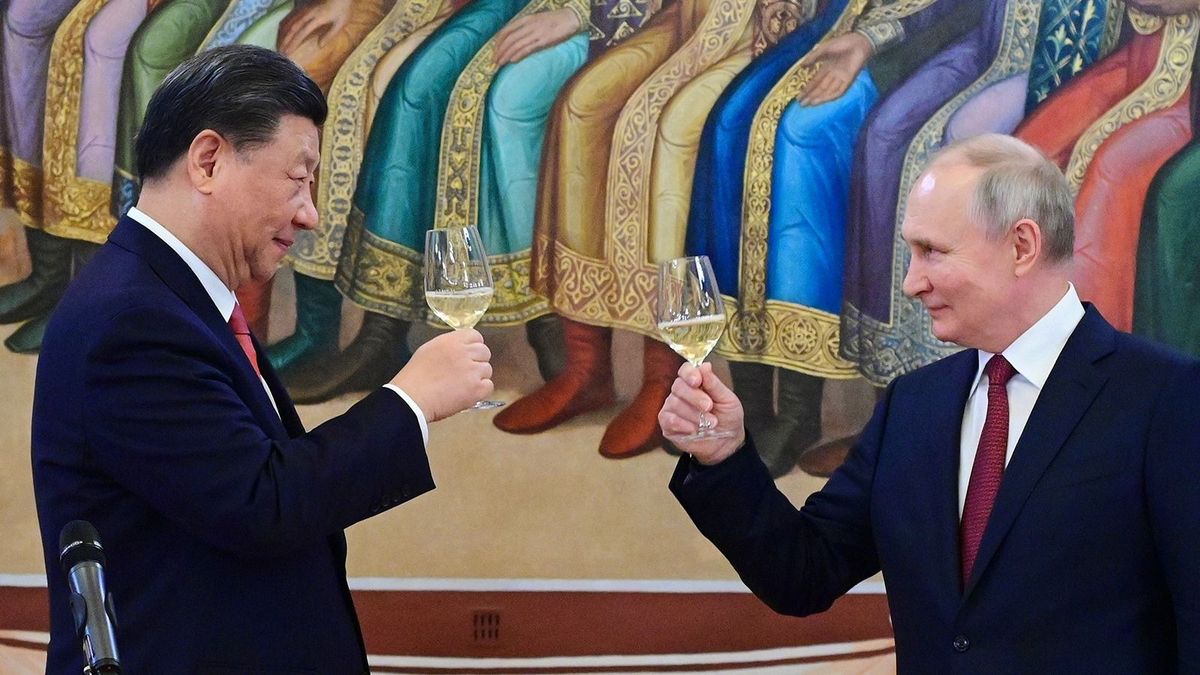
(79, 542)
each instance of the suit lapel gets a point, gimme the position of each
(174, 272)
(945, 412)
(287, 410)
(1072, 386)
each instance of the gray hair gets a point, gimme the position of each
(1018, 182)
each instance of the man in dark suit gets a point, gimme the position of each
(157, 418)
(1031, 500)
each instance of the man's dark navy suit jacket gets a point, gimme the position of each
(1090, 562)
(221, 519)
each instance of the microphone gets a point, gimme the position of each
(82, 559)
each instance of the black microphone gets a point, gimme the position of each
(82, 559)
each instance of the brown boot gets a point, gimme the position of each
(586, 384)
(635, 430)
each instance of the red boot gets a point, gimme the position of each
(635, 430)
(585, 384)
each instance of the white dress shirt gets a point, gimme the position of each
(225, 300)
(1033, 355)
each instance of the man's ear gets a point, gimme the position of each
(1026, 237)
(203, 159)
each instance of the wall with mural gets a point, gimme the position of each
(590, 142)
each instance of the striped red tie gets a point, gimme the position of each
(988, 468)
(241, 331)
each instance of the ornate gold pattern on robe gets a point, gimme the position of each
(773, 331)
(882, 359)
(775, 19)
(26, 191)
(344, 135)
(73, 207)
(1162, 89)
(459, 174)
(611, 280)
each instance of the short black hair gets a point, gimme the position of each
(240, 91)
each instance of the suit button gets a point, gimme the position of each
(961, 644)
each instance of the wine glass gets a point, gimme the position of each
(691, 318)
(458, 281)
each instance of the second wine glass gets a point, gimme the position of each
(691, 318)
(458, 281)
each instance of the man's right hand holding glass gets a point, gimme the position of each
(448, 374)
(696, 391)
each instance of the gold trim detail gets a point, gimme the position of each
(1113, 21)
(384, 271)
(344, 137)
(459, 174)
(627, 303)
(1162, 89)
(27, 192)
(753, 330)
(776, 19)
(906, 341)
(1143, 23)
(790, 336)
(73, 207)
(882, 35)
(462, 132)
(6, 199)
(892, 11)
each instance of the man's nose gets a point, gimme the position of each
(306, 217)
(915, 282)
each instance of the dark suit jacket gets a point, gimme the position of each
(222, 522)
(1091, 558)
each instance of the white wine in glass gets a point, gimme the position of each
(458, 281)
(691, 318)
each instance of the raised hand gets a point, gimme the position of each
(448, 374)
(527, 34)
(696, 391)
(839, 60)
(323, 17)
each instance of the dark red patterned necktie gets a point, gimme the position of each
(988, 468)
(241, 331)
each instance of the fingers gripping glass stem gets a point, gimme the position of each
(691, 318)
(458, 281)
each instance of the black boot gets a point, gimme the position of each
(28, 338)
(545, 335)
(754, 384)
(36, 295)
(318, 319)
(378, 352)
(799, 419)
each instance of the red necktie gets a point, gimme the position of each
(241, 331)
(988, 468)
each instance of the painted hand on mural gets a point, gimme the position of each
(698, 391)
(841, 59)
(448, 374)
(1166, 7)
(324, 18)
(528, 34)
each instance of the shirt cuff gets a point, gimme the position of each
(416, 410)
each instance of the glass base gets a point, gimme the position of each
(701, 435)
(486, 405)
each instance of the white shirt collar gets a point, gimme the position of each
(221, 296)
(1035, 352)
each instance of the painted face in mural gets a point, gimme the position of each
(964, 278)
(267, 197)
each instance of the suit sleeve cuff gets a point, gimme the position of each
(416, 410)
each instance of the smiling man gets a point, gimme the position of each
(1030, 500)
(157, 420)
